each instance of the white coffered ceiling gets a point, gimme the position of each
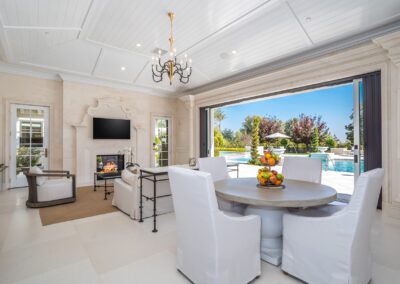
(96, 39)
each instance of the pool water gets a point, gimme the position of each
(337, 165)
(341, 165)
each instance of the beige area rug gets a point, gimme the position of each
(88, 203)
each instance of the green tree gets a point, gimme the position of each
(219, 116)
(315, 140)
(247, 124)
(330, 142)
(255, 140)
(228, 135)
(350, 130)
(218, 138)
(284, 142)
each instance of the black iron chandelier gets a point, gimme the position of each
(172, 66)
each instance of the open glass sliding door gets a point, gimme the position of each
(28, 141)
(358, 118)
(161, 141)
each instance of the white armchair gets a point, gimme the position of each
(303, 169)
(336, 248)
(45, 192)
(212, 247)
(216, 166)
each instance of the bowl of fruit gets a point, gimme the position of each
(268, 178)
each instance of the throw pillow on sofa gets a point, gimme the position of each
(37, 170)
(128, 177)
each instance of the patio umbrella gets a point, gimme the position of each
(277, 135)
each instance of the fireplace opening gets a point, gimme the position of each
(110, 165)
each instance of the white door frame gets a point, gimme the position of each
(356, 129)
(14, 181)
(154, 117)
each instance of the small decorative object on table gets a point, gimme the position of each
(268, 178)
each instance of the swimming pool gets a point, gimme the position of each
(236, 157)
(337, 165)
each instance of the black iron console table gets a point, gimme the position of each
(156, 175)
(105, 177)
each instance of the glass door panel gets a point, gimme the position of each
(161, 142)
(358, 118)
(29, 141)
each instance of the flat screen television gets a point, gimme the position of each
(106, 128)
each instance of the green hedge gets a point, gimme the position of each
(230, 149)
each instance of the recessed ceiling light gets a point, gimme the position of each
(308, 19)
(138, 45)
(234, 51)
(123, 68)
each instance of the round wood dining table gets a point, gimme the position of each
(270, 204)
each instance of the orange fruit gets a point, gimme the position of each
(271, 162)
(267, 155)
(278, 182)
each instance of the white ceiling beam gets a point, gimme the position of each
(104, 45)
(307, 36)
(98, 60)
(140, 73)
(93, 13)
(5, 51)
(41, 28)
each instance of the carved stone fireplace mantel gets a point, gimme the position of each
(87, 148)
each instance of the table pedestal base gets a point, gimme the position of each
(271, 231)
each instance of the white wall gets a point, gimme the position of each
(69, 102)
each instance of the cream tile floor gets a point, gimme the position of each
(111, 248)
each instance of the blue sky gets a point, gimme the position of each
(334, 105)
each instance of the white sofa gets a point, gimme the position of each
(127, 196)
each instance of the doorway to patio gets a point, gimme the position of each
(28, 141)
(327, 122)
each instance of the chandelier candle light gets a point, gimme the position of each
(172, 65)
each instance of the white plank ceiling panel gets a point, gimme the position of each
(125, 23)
(326, 20)
(31, 43)
(111, 61)
(74, 56)
(44, 13)
(223, 37)
(260, 39)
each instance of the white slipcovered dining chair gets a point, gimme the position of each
(336, 248)
(216, 166)
(303, 169)
(212, 247)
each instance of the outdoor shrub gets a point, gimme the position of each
(315, 140)
(229, 149)
(284, 142)
(255, 139)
